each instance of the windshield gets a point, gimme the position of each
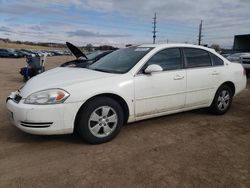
(93, 55)
(120, 61)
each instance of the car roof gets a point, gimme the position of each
(177, 45)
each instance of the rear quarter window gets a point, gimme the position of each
(197, 58)
(216, 60)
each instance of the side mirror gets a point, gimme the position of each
(153, 68)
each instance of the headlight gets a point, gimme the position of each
(50, 96)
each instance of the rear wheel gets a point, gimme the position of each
(99, 120)
(222, 100)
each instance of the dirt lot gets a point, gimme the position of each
(192, 149)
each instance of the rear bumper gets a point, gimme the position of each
(43, 119)
(241, 85)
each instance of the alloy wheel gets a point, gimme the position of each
(223, 100)
(103, 121)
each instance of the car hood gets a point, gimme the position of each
(61, 77)
(75, 51)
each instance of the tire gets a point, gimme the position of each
(99, 120)
(222, 100)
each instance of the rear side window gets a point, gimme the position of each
(216, 60)
(197, 58)
(168, 59)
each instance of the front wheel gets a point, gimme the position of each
(222, 100)
(99, 120)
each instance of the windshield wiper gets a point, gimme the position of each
(101, 70)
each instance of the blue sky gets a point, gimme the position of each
(118, 22)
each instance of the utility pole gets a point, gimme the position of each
(154, 28)
(200, 33)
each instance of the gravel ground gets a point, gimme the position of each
(191, 149)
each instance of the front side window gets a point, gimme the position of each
(120, 61)
(197, 58)
(168, 59)
(216, 60)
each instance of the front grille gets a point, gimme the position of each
(36, 124)
(17, 98)
(246, 58)
(245, 62)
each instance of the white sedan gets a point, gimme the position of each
(125, 86)
(245, 61)
(236, 57)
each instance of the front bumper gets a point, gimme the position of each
(246, 63)
(43, 119)
(246, 66)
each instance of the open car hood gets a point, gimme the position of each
(75, 51)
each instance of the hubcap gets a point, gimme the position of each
(103, 121)
(223, 100)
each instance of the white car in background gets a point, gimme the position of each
(236, 57)
(245, 61)
(127, 85)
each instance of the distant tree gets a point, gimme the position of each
(216, 47)
(106, 47)
(128, 45)
(5, 40)
(89, 47)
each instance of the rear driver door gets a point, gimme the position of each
(200, 73)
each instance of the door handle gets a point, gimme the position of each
(215, 73)
(178, 77)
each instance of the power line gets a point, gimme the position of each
(154, 28)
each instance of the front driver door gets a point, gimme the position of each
(160, 92)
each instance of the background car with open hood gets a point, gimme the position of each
(83, 60)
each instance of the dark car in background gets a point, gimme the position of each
(8, 53)
(16, 53)
(26, 53)
(19, 53)
(29, 53)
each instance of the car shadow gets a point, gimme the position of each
(17, 136)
